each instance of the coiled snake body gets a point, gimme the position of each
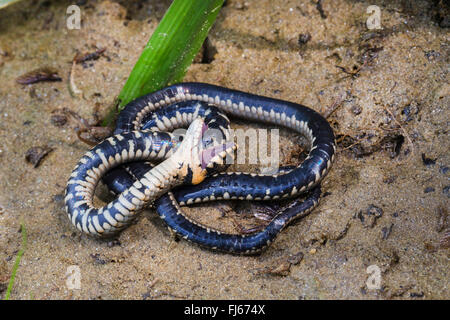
(157, 111)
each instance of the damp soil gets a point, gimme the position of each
(385, 203)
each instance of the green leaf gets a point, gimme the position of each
(171, 49)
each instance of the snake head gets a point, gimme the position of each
(201, 152)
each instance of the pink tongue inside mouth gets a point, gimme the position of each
(210, 153)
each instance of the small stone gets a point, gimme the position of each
(303, 38)
(356, 109)
(443, 170)
(295, 258)
(428, 190)
(428, 161)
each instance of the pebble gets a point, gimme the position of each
(428, 190)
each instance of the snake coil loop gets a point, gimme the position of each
(178, 106)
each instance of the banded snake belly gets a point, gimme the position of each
(194, 158)
(176, 106)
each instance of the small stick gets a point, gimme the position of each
(336, 104)
(72, 87)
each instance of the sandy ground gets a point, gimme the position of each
(386, 197)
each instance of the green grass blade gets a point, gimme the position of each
(171, 48)
(17, 262)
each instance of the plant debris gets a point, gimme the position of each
(282, 267)
(58, 118)
(335, 105)
(392, 143)
(207, 53)
(39, 75)
(94, 135)
(34, 155)
(97, 258)
(369, 217)
(369, 55)
(80, 58)
(386, 231)
(295, 258)
(320, 9)
(442, 218)
(87, 131)
(444, 242)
